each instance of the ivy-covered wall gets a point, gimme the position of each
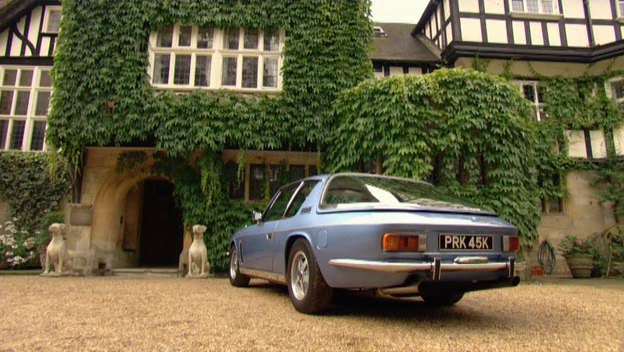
(103, 96)
(33, 185)
(465, 130)
(468, 131)
(102, 60)
(574, 97)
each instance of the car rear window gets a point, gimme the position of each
(363, 191)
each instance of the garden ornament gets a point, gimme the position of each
(198, 255)
(57, 253)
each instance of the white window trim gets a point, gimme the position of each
(217, 52)
(46, 18)
(30, 118)
(618, 9)
(556, 14)
(536, 103)
(609, 89)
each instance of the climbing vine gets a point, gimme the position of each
(102, 61)
(30, 190)
(464, 130)
(473, 133)
(103, 96)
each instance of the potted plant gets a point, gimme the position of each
(578, 255)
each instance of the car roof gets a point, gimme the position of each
(325, 177)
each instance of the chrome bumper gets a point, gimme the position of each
(436, 268)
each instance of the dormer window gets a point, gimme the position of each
(187, 57)
(545, 7)
(379, 32)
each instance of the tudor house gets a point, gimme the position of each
(530, 39)
(113, 214)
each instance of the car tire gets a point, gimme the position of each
(236, 277)
(443, 299)
(312, 297)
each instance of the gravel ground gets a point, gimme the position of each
(102, 314)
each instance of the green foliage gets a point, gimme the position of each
(574, 104)
(18, 247)
(199, 194)
(29, 189)
(464, 130)
(53, 217)
(131, 161)
(580, 102)
(571, 246)
(103, 96)
(102, 59)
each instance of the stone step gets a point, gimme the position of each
(146, 272)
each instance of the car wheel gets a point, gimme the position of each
(236, 278)
(443, 299)
(307, 289)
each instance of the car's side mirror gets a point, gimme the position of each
(256, 216)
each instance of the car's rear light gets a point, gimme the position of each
(395, 242)
(511, 243)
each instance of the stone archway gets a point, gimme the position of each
(110, 210)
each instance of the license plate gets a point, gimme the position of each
(466, 243)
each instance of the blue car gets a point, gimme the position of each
(395, 236)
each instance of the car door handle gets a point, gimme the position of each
(269, 236)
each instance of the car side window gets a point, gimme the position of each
(300, 198)
(281, 202)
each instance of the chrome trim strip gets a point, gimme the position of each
(471, 260)
(265, 275)
(388, 267)
(407, 267)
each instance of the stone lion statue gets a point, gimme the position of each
(198, 266)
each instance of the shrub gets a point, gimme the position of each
(570, 245)
(17, 247)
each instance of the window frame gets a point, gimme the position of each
(218, 52)
(547, 205)
(277, 195)
(619, 6)
(556, 11)
(30, 118)
(46, 19)
(311, 169)
(536, 105)
(610, 89)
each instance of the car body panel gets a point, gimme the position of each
(356, 234)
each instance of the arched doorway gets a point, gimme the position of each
(161, 230)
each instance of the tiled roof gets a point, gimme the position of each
(399, 45)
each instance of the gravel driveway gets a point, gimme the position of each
(98, 314)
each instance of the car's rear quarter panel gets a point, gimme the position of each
(358, 235)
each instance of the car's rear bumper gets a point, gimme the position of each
(436, 268)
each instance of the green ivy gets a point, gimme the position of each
(199, 194)
(464, 130)
(102, 59)
(30, 190)
(103, 96)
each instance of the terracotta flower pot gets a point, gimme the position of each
(580, 265)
